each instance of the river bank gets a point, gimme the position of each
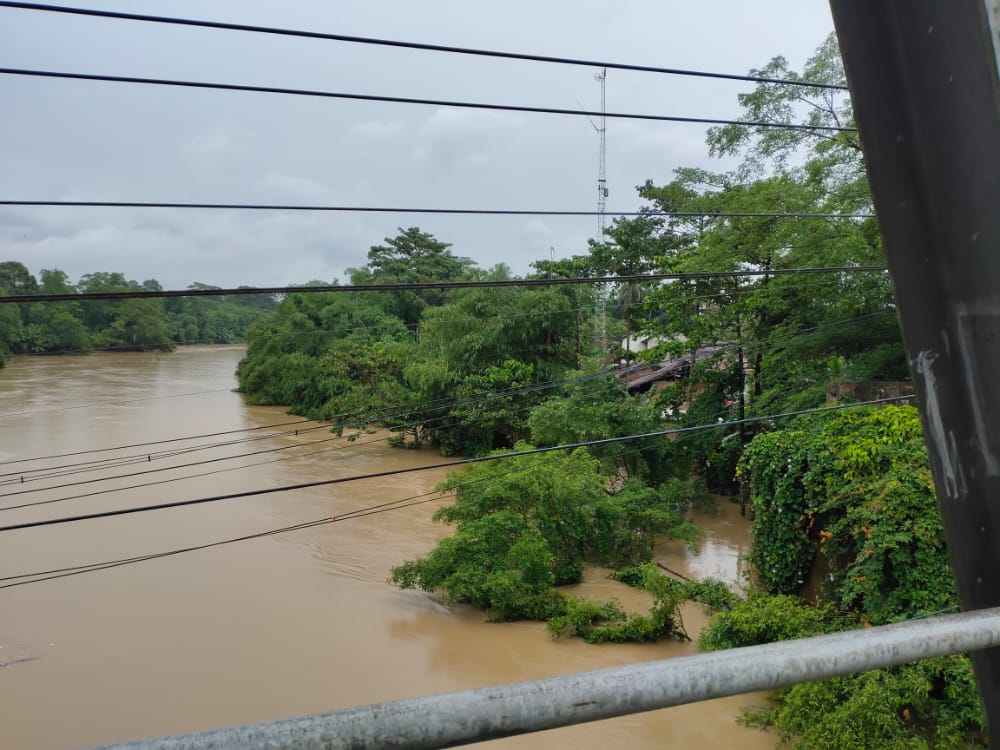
(289, 624)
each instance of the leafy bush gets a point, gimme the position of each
(856, 491)
(605, 622)
(527, 524)
(710, 592)
(856, 488)
(762, 618)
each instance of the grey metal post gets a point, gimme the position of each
(923, 77)
(487, 713)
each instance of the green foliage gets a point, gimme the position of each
(598, 408)
(856, 490)
(606, 622)
(412, 256)
(847, 499)
(300, 356)
(216, 319)
(710, 454)
(712, 593)
(490, 410)
(124, 325)
(500, 563)
(857, 487)
(16, 279)
(458, 369)
(529, 523)
(927, 706)
(762, 618)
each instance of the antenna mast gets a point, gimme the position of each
(602, 172)
(602, 204)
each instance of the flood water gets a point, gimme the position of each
(295, 623)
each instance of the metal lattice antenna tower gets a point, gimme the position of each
(602, 204)
(602, 172)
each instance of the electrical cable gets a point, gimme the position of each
(432, 429)
(412, 45)
(370, 510)
(247, 88)
(446, 464)
(368, 417)
(82, 467)
(157, 470)
(448, 211)
(153, 442)
(260, 335)
(347, 516)
(93, 567)
(312, 453)
(414, 286)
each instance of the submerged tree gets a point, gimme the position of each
(526, 524)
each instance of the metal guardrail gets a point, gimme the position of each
(469, 716)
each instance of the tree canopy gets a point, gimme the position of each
(121, 325)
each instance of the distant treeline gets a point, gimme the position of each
(124, 325)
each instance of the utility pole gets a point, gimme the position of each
(924, 79)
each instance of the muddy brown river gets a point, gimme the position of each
(289, 624)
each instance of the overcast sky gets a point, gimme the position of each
(66, 140)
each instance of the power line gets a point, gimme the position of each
(246, 88)
(79, 467)
(446, 464)
(391, 505)
(347, 516)
(341, 421)
(251, 466)
(448, 211)
(142, 460)
(413, 45)
(47, 472)
(93, 567)
(154, 442)
(766, 344)
(258, 335)
(414, 286)
(428, 406)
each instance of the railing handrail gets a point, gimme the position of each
(467, 716)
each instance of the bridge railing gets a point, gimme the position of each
(468, 716)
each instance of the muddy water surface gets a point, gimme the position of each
(289, 624)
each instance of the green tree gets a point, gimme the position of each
(528, 523)
(411, 257)
(128, 324)
(850, 497)
(16, 279)
(284, 363)
(489, 356)
(599, 407)
(633, 246)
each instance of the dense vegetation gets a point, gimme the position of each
(846, 533)
(847, 505)
(122, 325)
(528, 524)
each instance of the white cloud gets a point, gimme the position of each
(218, 140)
(377, 131)
(466, 140)
(117, 142)
(296, 187)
